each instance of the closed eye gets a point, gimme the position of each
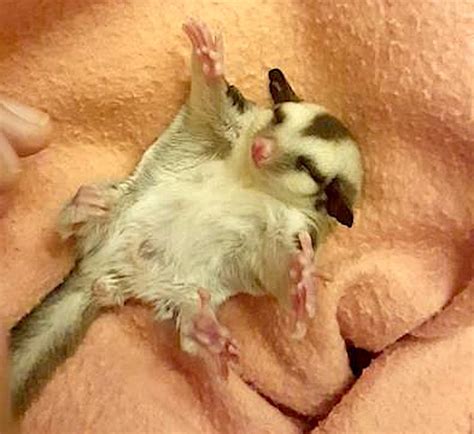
(304, 164)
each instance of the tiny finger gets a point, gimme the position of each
(9, 164)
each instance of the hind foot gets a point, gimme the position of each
(303, 291)
(204, 330)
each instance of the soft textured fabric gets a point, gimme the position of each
(112, 74)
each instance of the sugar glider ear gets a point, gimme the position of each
(339, 202)
(280, 89)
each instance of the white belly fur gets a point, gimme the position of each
(208, 231)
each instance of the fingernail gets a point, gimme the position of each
(9, 164)
(27, 113)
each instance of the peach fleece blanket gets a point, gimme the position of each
(112, 74)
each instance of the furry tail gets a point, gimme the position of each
(47, 335)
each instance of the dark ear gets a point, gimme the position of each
(280, 89)
(338, 204)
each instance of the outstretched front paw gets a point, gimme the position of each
(303, 276)
(208, 48)
(90, 202)
(205, 330)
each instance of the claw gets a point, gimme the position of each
(90, 203)
(107, 293)
(206, 331)
(208, 48)
(303, 292)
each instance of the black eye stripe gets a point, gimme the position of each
(305, 164)
(278, 115)
(301, 164)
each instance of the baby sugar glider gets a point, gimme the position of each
(231, 198)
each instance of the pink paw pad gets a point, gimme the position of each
(212, 336)
(303, 292)
(89, 201)
(208, 48)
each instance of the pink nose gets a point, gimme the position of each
(261, 150)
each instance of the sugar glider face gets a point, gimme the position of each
(306, 155)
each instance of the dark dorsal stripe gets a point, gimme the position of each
(327, 127)
(280, 89)
(236, 97)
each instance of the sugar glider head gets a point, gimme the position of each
(305, 156)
